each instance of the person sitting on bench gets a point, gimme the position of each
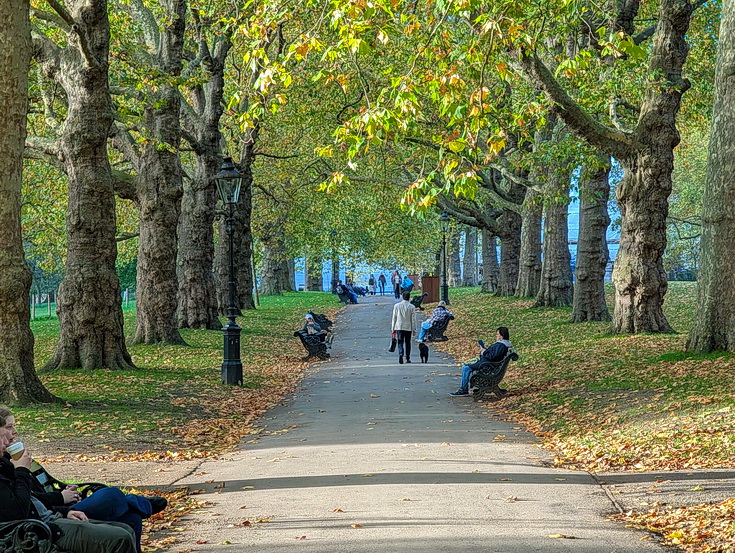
(437, 316)
(314, 328)
(347, 291)
(496, 352)
(108, 504)
(72, 530)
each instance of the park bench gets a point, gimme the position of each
(436, 332)
(322, 320)
(487, 377)
(344, 298)
(418, 300)
(313, 345)
(26, 536)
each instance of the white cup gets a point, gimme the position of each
(16, 450)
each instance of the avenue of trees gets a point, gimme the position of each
(354, 124)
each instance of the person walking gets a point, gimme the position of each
(396, 282)
(371, 285)
(403, 325)
(381, 283)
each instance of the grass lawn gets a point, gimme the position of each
(173, 405)
(602, 401)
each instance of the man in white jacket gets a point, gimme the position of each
(403, 325)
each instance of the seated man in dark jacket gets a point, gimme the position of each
(78, 533)
(496, 352)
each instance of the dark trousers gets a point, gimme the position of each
(95, 536)
(112, 505)
(404, 342)
(397, 290)
(381, 285)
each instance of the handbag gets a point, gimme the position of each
(393, 342)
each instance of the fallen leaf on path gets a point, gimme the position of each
(262, 520)
(356, 525)
(300, 538)
(373, 396)
(446, 443)
(563, 536)
(337, 510)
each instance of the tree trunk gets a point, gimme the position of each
(510, 252)
(289, 275)
(335, 273)
(714, 326)
(592, 253)
(19, 383)
(454, 266)
(529, 275)
(275, 261)
(90, 299)
(197, 295)
(197, 301)
(555, 288)
(313, 269)
(159, 190)
(470, 257)
(490, 268)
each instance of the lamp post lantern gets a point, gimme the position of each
(444, 220)
(229, 181)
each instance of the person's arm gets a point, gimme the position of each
(394, 319)
(496, 352)
(316, 326)
(15, 496)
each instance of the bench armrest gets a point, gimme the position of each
(26, 536)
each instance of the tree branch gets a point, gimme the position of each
(50, 18)
(609, 140)
(151, 33)
(615, 116)
(126, 236)
(255, 154)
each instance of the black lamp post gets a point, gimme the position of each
(444, 220)
(229, 180)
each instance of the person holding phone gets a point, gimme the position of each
(496, 352)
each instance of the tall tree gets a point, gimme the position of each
(490, 267)
(714, 327)
(592, 254)
(18, 380)
(202, 109)
(90, 299)
(157, 162)
(646, 155)
(469, 261)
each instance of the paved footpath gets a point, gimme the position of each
(371, 455)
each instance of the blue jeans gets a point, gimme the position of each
(110, 504)
(425, 326)
(464, 386)
(353, 297)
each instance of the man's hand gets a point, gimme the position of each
(24, 460)
(77, 515)
(71, 495)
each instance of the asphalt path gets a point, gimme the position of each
(369, 455)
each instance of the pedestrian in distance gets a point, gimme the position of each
(396, 282)
(381, 283)
(371, 285)
(403, 324)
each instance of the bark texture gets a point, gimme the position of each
(454, 266)
(314, 275)
(469, 262)
(197, 298)
(714, 327)
(275, 260)
(592, 254)
(19, 383)
(555, 287)
(529, 275)
(335, 273)
(89, 301)
(159, 191)
(510, 252)
(490, 267)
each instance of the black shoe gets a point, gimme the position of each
(459, 393)
(158, 504)
(400, 359)
(408, 360)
